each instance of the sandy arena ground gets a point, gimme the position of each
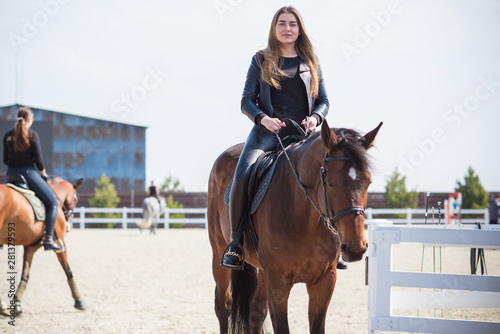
(139, 283)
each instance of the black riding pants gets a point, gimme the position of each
(259, 141)
(43, 191)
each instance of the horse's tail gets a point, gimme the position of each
(147, 214)
(146, 222)
(243, 285)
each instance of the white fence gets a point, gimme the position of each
(459, 291)
(129, 216)
(417, 216)
(127, 219)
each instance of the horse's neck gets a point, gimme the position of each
(307, 160)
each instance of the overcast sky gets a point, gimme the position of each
(430, 70)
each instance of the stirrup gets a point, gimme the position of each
(51, 244)
(241, 258)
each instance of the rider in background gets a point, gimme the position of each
(153, 191)
(22, 154)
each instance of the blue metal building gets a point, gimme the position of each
(81, 147)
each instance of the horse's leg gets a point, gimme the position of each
(278, 291)
(222, 277)
(3, 308)
(320, 294)
(63, 260)
(258, 305)
(29, 251)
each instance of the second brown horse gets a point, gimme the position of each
(18, 226)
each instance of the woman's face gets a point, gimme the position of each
(29, 122)
(287, 29)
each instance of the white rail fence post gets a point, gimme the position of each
(468, 291)
(124, 217)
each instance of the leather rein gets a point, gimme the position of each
(328, 218)
(66, 208)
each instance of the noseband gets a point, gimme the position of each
(330, 218)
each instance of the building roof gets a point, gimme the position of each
(15, 106)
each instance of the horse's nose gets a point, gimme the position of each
(352, 254)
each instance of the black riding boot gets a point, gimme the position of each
(341, 264)
(234, 257)
(48, 242)
(259, 141)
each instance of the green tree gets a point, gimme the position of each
(171, 184)
(105, 197)
(171, 203)
(473, 194)
(396, 195)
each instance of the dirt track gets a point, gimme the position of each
(138, 283)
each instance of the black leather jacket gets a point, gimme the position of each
(257, 93)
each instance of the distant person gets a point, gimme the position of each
(494, 206)
(153, 191)
(22, 154)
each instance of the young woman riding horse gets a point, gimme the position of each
(23, 155)
(18, 223)
(283, 81)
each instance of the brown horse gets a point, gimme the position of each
(18, 226)
(299, 237)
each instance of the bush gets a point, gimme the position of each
(105, 197)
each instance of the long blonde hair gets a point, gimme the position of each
(21, 135)
(270, 66)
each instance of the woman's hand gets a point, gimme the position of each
(310, 124)
(44, 175)
(272, 124)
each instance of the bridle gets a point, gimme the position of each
(329, 218)
(67, 208)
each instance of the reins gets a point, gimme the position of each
(327, 219)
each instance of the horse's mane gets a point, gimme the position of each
(56, 179)
(353, 144)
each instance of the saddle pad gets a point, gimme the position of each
(261, 190)
(35, 202)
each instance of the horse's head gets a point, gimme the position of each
(343, 188)
(67, 196)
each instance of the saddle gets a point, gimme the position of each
(18, 183)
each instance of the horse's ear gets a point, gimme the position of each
(328, 136)
(78, 184)
(369, 138)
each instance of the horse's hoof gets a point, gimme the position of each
(79, 305)
(18, 309)
(4, 310)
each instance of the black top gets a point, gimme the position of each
(152, 191)
(29, 158)
(291, 100)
